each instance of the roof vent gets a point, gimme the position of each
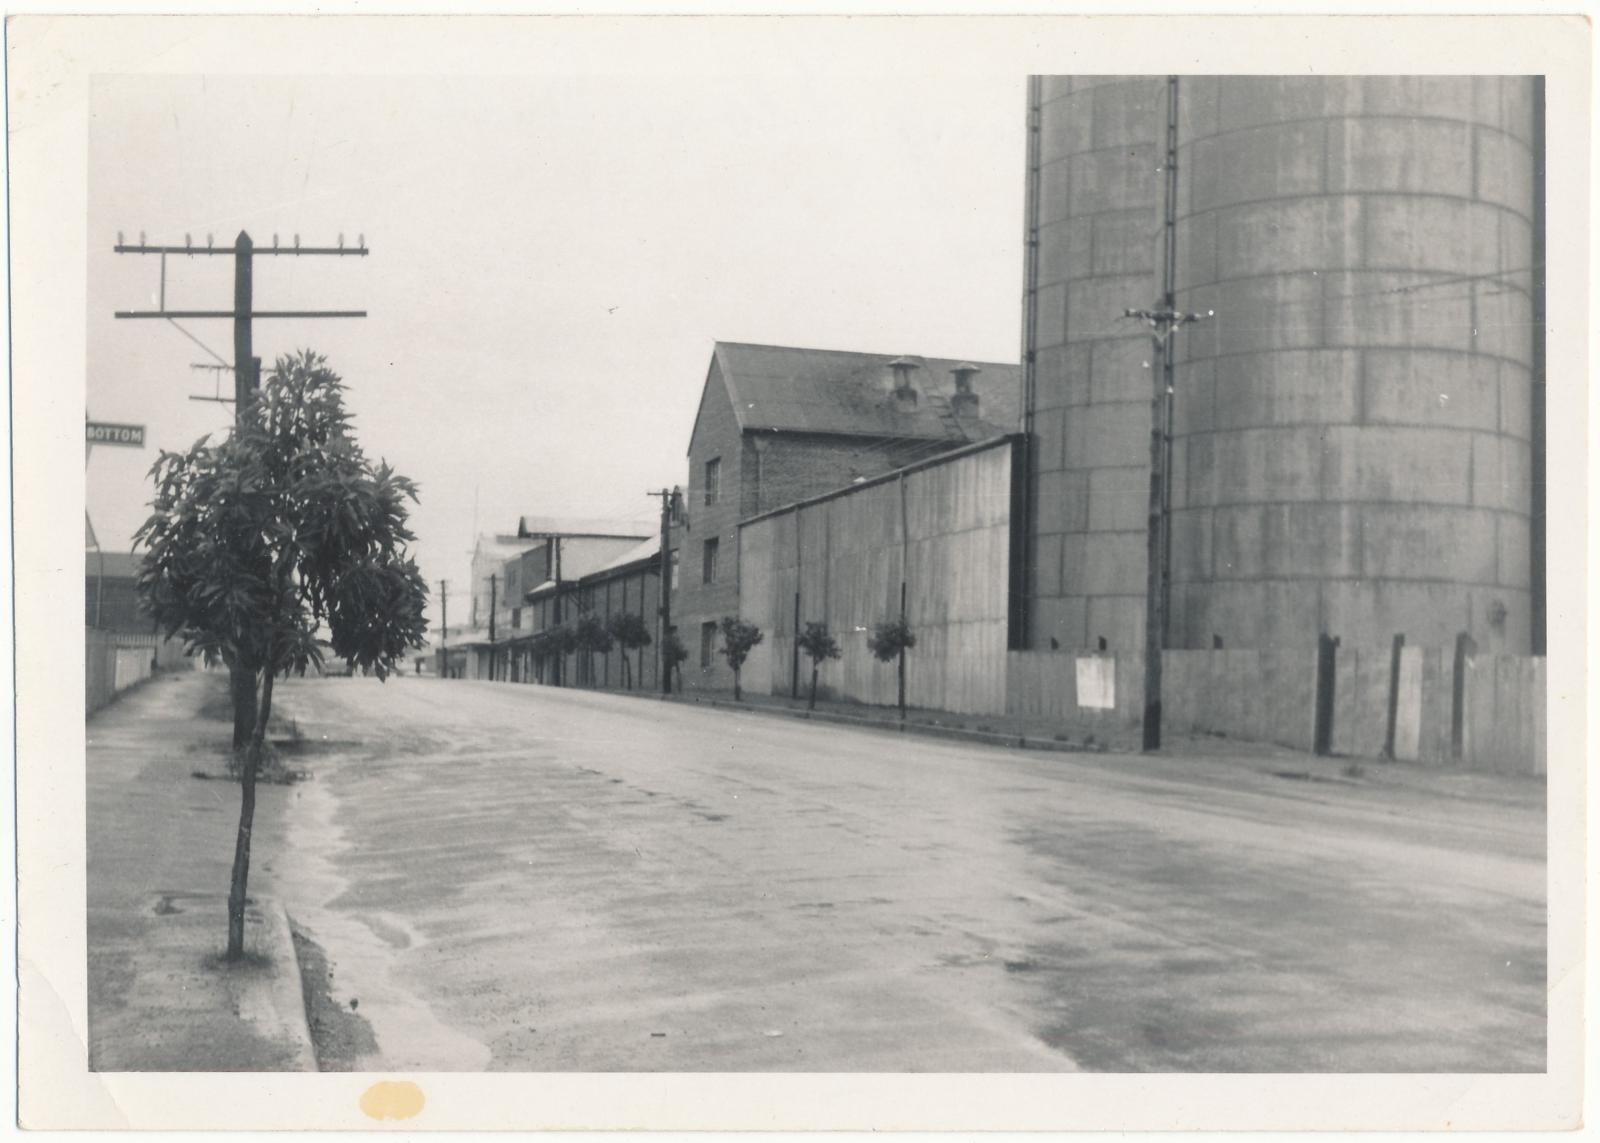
(964, 402)
(905, 393)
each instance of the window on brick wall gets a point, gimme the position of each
(709, 562)
(713, 479)
(708, 643)
(516, 617)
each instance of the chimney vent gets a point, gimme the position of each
(905, 393)
(964, 402)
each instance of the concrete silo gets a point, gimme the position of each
(1353, 447)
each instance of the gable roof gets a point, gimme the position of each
(540, 526)
(778, 388)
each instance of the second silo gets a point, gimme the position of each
(1352, 449)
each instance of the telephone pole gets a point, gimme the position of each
(246, 366)
(444, 628)
(665, 609)
(493, 584)
(1158, 579)
(1162, 322)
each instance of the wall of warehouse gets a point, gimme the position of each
(945, 529)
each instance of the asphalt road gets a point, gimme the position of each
(522, 878)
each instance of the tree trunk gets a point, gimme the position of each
(812, 705)
(242, 685)
(247, 814)
(627, 670)
(738, 695)
(902, 684)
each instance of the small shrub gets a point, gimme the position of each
(739, 638)
(889, 642)
(818, 644)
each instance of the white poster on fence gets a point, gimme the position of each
(1097, 683)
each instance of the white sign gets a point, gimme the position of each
(1097, 683)
(106, 433)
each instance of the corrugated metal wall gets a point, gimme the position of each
(949, 524)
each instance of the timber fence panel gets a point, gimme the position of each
(1504, 695)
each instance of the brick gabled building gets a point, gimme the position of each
(778, 424)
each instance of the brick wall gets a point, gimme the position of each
(695, 602)
(791, 467)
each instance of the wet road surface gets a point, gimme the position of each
(522, 878)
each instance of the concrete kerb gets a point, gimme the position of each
(286, 997)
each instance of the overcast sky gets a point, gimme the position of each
(552, 259)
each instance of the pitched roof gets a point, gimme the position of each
(636, 554)
(529, 526)
(492, 547)
(784, 389)
(584, 556)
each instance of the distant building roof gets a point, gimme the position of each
(583, 556)
(491, 546)
(123, 565)
(646, 550)
(539, 526)
(784, 389)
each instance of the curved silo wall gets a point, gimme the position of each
(1098, 216)
(1352, 437)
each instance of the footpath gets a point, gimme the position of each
(1209, 751)
(160, 851)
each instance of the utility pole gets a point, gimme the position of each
(246, 366)
(1162, 323)
(444, 628)
(493, 584)
(664, 611)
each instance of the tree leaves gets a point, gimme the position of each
(889, 638)
(260, 543)
(739, 637)
(818, 643)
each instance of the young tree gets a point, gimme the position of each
(739, 637)
(591, 636)
(673, 653)
(818, 644)
(565, 643)
(632, 634)
(891, 640)
(281, 532)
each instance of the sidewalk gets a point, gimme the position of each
(1204, 751)
(160, 850)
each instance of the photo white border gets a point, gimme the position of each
(50, 61)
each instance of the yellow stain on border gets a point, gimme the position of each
(392, 1099)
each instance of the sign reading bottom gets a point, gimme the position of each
(107, 433)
